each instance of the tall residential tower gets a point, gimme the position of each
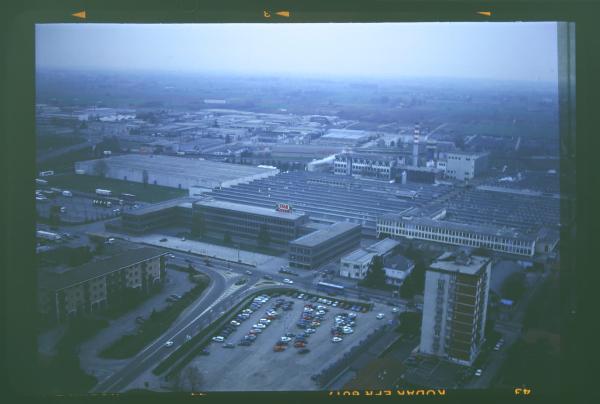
(454, 307)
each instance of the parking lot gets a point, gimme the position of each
(78, 209)
(259, 367)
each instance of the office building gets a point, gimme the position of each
(455, 306)
(247, 221)
(356, 264)
(176, 212)
(321, 246)
(94, 286)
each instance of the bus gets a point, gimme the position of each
(330, 288)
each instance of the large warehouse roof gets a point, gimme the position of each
(185, 167)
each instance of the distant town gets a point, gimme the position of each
(244, 234)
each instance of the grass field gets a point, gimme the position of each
(87, 183)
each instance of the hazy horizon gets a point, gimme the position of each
(372, 52)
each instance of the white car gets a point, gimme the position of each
(248, 272)
(310, 331)
(169, 343)
(218, 339)
(188, 337)
(380, 316)
(235, 323)
(336, 339)
(256, 330)
(261, 326)
(478, 372)
(395, 310)
(247, 311)
(171, 255)
(285, 339)
(288, 281)
(347, 330)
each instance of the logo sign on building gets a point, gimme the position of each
(284, 207)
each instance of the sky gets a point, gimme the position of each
(502, 51)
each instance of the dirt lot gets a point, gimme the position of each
(258, 368)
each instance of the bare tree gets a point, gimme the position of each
(189, 379)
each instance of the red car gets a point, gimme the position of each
(299, 344)
(279, 348)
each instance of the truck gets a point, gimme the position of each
(67, 193)
(103, 192)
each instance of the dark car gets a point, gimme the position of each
(245, 342)
(268, 277)
(140, 319)
(304, 351)
(228, 345)
(162, 240)
(204, 352)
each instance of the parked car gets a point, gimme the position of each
(478, 372)
(228, 345)
(268, 277)
(248, 272)
(289, 282)
(304, 351)
(218, 338)
(336, 339)
(204, 352)
(380, 316)
(162, 240)
(279, 348)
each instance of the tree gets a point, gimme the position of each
(376, 274)
(145, 178)
(264, 238)
(227, 238)
(100, 168)
(513, 286)
(189, 379)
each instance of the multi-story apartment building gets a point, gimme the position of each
(455, 306)
(319, 247)
(99, 284)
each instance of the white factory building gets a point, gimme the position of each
(465, 166)
(174, 172)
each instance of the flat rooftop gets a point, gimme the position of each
(155, 207)
(257, 210)
(184, 167)
(384, 246)
(361, 256)
(320, 236)
(349, 134)
(447, 262)
(94, 269)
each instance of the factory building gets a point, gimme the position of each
(174, 172)
(454, 307)
(469, 235)
(319, 247)
(365, 165)
(465, 166)
(95, 286)
(246, 221)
